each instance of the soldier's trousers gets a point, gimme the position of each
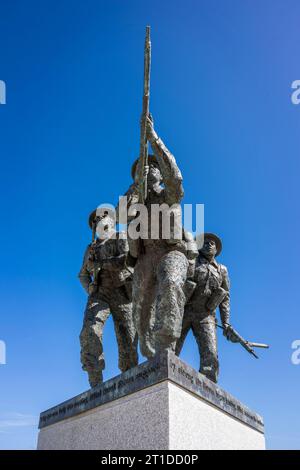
(158, 298)
(203, 326)
(91, 337)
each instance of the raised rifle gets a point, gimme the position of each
(145, 114)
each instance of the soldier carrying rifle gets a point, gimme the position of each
(163, 264)
(211, 292)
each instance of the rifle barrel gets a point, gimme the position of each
(145, 113)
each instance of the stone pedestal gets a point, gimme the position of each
(161, 404)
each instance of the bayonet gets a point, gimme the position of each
(237, 338)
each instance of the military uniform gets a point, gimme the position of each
(212, 290)
(104, 263)
(162, 266)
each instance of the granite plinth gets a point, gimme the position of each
(160, 404)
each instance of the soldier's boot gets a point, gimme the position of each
(95, 378)
(209, 365)
(210, 372)
(128, 356)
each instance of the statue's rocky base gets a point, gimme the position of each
(160, 404)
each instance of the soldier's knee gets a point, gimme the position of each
(171, 285)
(179, 262)
(95, 378)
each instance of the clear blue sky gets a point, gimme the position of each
(221, 77)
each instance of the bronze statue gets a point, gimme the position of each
(169, 292)
(162, 266)
(212, 292)
(108, 282)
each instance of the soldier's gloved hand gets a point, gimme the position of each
(151, 134)
(226, 331)
(146, 171)
(92, 288)
(228, 334)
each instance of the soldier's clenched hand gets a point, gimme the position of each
(151, 134)
(228, 333)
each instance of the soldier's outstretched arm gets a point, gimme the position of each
(171, 174)
(84, 275)
(224, 306)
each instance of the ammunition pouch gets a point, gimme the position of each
(216, 298)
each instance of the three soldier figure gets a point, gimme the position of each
(161, 313)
